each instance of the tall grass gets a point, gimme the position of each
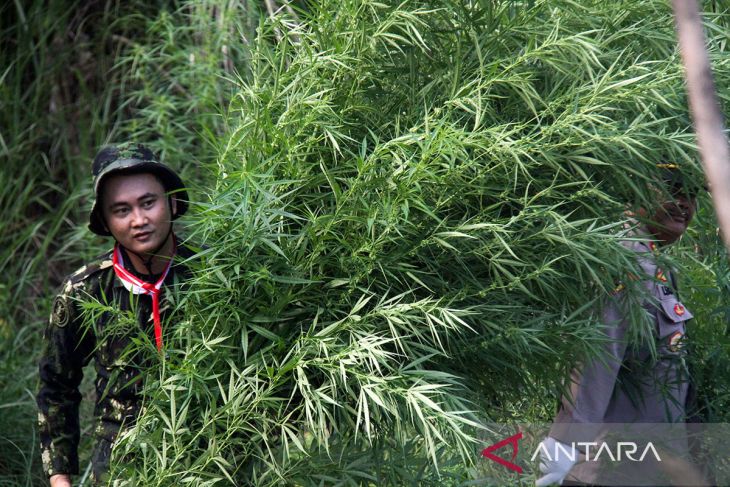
(64, 93)
(181, 73)
(48, 68)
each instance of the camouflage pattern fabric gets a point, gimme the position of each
(95, 317)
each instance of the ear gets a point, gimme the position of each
(103, 223)
(173, 207)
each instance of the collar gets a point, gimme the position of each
(181, 253)
(642, 236)
(127, 261)
(137, 286)
(131, 281)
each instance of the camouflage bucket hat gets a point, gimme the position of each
(132, 158)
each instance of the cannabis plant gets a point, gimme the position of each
(412, 212)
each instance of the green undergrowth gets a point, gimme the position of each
(74, 76)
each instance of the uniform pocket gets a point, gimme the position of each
(100, 462)
(114, 352)
(672, 316)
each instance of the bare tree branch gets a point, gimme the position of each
(705, 109)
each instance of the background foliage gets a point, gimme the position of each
(408, 210)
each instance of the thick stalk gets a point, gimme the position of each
(705, 109)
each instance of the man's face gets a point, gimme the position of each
(136, 211)
(671, 218)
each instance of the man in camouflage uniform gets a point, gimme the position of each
(627, 384)
(108, 305)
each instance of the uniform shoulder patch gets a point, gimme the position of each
(61, 311)
(102, 262)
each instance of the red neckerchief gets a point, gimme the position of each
(138, 286)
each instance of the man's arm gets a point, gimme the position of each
(590, 394)
(593, 383)
(65, 350)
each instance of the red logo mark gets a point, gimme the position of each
(512, 440)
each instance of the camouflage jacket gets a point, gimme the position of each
(95, 316)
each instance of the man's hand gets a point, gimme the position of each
(554, 466)
(60, 480)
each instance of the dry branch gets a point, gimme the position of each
(705, 109)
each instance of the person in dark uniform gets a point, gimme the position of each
(629, 384)
(121, 298)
